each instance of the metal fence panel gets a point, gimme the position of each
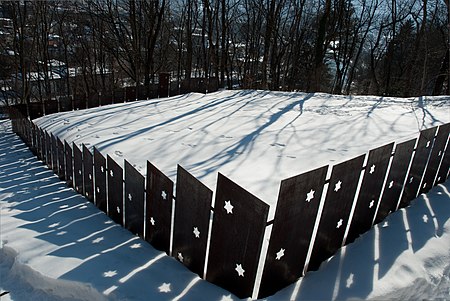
(191, 226)
(418, 165)
(33, 131)
(100, 181)
(159, 208)
(43, 146)
(88, 174)
(61, 160)
(338, 203)
(395, 180)
(69, 164)
(237, 234)
(38, 143)
(134, 200)
(370, 191)
(77, 169)
(297, 208)
(48, 148)
(54, 154)
(115, 191)
(435, 158)
(444, 168)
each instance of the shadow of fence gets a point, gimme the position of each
(317, 212)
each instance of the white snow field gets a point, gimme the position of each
(55, 245)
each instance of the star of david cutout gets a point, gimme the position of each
(118, 209)
(280, 254)
(90, 177)
(239, 270)
(228, 207)
(180, 257)
(164, 195)
(102, 169)
(372, 169)
(310, 196)
(196, 232)
(98, 189)
(338, 185)
(79, 172)
(411, 180)
(152, 221)
(111, 173)
(339, 223)
(164, 288)
(428, 144)
(130, 198)
(391, 184)
(372, 202)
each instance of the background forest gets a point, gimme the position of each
(50, 49)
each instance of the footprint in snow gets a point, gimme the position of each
(189, 144)
(278, 144)
(225, 137)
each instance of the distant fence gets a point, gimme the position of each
(360, 192)
(165, 88)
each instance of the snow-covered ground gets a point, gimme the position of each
(57, 246)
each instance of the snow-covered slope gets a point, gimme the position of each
(257, 138)
(57, 246)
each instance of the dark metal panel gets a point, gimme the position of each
(297, 208)
(61, 160)
(100, 181)
(88, 174)
(54, 154)
(48, 148)
(418, 165)
(191, 226)
(395, 180)
(38, 143)
(115, 191)
(134, 200)
(159, 208)
(43, 147)
(237, 234)
(33, 146)
(370, 191)
(69, 164)
(435, 158)
(338, 203)
(77, 169)
(443, 172)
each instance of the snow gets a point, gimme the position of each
(55, 245)
(256, 138)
